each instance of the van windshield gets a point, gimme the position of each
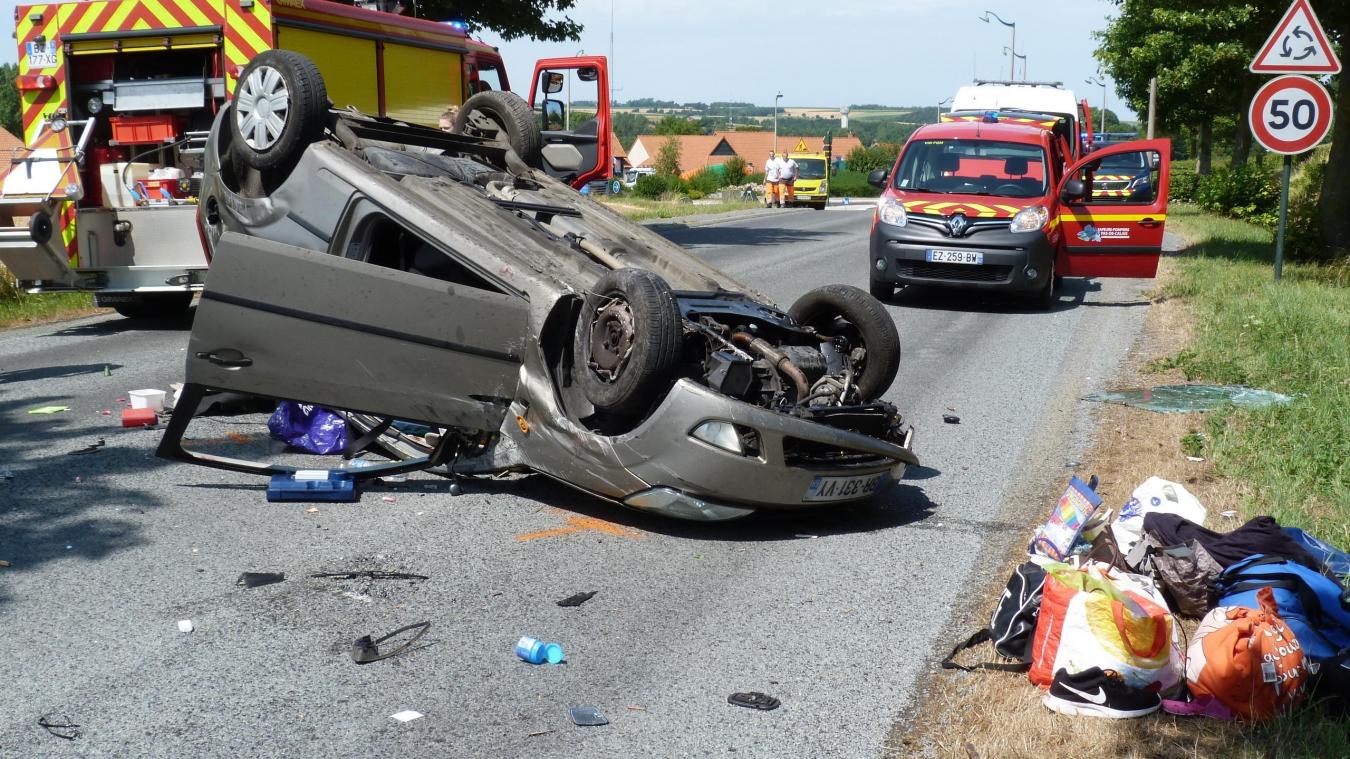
(810, 168)
(973, 167)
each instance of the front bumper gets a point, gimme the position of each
(902, 252)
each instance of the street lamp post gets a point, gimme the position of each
(1095, 80)
(1016, 55)
(940, 104)
(1012, 72)
(776, 98)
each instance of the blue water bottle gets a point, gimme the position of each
(537, 651)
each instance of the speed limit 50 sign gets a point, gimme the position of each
(1290, 114)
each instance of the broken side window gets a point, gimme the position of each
(383, 241)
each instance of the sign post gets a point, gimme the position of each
(1291, 114)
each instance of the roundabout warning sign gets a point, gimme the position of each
(1290, 114)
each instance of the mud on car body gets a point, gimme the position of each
(404, 273)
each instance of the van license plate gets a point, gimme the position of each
(844, 488)
(955, 256)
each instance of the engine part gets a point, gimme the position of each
(730, 374)
(811, 361)
(775, 357)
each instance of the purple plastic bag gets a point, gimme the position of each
(312, 429)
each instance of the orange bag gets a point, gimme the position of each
(1248, 660)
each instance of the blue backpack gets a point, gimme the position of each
(1313, 605)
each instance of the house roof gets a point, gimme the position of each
(615, 147)
(9, 143)
(697, 150)
(754, 147)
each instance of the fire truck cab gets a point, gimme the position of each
(118, 96)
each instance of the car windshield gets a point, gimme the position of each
(1126, 161)
(810, 168)
(973, 167)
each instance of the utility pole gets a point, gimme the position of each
(1152, 103)
(1012, 70)
(1015, 56)
(940, 104)
(611, 52)
(776, 98)
(1097, 80)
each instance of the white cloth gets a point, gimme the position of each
(772, 170)
(787, 170)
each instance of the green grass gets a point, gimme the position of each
(18, 307)
(1292, 337)
(642, 209)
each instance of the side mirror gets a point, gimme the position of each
(878, 178)
(553, 82)
(588, 74)
(1074, 189)
(554, 120)
(1154, 160)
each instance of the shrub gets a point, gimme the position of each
(668, 158)
(1248, 192)
(705, 181)
(655, 185)
(1184, 184)
(734, 170)
(851, 183)
(879, 156)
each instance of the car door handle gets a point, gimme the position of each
(1149, 223)
(235, 361)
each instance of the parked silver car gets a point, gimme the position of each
(407, 273)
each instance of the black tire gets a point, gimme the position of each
(155, 306)
(843, 311)
(502, 112)
(1044, 298)
(882, 291)
(636, 361)
(269, 76)
(818, 206)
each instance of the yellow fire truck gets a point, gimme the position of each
(118, 97)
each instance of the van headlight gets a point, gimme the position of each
(890, 211)
(1030, 219)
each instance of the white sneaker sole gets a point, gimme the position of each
(1078, 709)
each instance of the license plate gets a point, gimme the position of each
(955, 256)
(843, 488)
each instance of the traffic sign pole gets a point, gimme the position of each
(1284, 218)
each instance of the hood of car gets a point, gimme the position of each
(972, 206)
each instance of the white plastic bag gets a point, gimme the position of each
(1154, 496)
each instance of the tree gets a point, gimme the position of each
(512, 19)
(668, 158)
(677, 125)
(9, 99)
(735, 170)
(627, 126)
(1334, 205)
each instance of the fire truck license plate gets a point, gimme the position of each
(841, 488)
(955, 256)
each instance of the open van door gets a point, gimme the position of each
(1113, 209)
(570, 99)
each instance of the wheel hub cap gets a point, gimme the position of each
(261, 105)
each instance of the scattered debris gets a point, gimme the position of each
(538, 733)
(365, 650)
(107, 370)
(312, 485)
(60, 726)
(407, 715)
(48, 409)
(637, 708)
(258, 579)
(577, 599)
(1230, 514)
(587, 716)
(1071, 464)
(3, 563)
(93, 448)
(951, 418)
(1184, 399)
(389, 499)
(6, 474)
(754, 700)
(311, 510)
(184, 625)
(1195, 458)
(369, 574)
(537, 651)
(150, 398)
(139, 417)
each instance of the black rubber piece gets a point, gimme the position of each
(306, 118)
(512, 115)
(155, 306)
(658, 330)
(754, 700)
(577, 599)
(847, 312)
(259, 579)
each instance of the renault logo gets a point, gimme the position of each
(957, 223)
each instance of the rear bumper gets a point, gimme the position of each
(1008, 258)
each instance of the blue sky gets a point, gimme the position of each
(895, 52)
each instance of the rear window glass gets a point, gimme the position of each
(973, 167)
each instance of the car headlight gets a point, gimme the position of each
(1030, 219)
(732, 438)
(890, 211)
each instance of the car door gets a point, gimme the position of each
(1114, 234)
(290, 323)
(575, 150)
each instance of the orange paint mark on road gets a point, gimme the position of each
(576, 524)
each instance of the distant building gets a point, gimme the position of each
(700, 150)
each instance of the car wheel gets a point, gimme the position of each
(155, 306)
(851, 315)
(1044, 298)
(280, 107)
(627, 341)
(505, 116)
(819, 206)
(882, 291)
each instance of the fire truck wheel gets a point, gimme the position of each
(503, 115)
(280, 107)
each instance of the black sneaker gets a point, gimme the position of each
(1094, 693)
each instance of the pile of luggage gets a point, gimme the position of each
(1092, 615)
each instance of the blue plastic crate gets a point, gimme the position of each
(306, 486)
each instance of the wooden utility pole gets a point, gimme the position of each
(1152, 103)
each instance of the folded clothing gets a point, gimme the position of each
(1260, 535)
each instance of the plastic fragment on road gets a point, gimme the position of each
(587, 716)
(536, 651)
(48, 409)
(366, 650)
(1186, 399)
(139, 417)
(3, 563)
(389, 499)
(407, 715)
(308, 485)
(951, 418)
(59, 726)
(259, 579)
(754, 700)
(577, 599)
(185, 625)
(91, 448)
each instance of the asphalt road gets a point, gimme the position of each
(839, 614)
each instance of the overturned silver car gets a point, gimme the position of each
(401, 272)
